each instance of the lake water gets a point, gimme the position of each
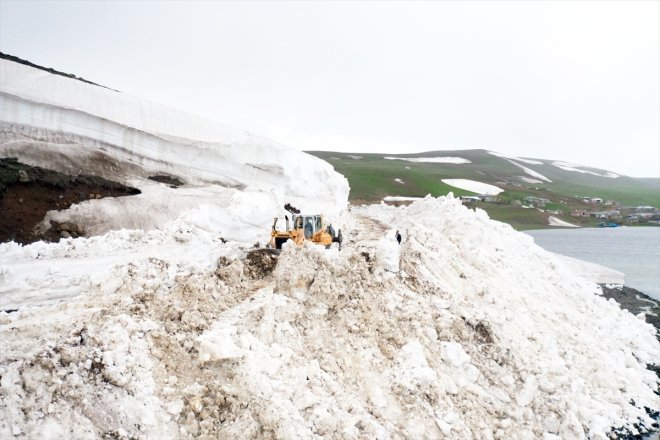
(635, 251)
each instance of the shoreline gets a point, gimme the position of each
(635, 302)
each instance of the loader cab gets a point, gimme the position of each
(310, 224)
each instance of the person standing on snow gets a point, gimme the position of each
(398, 236)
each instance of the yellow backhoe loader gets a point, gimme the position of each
(305, 227)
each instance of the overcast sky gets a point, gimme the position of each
(573, 81)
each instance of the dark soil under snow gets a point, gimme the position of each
(27, 193)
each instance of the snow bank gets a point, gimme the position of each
(554, 221)
(63, 124)
(474, 186)
(576, 168)
(465, 330)
(448, 159)
(591, 271)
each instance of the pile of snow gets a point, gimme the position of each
(77, 128)
(448, 159)
(465, 330)
(397, 180)
(474, 186)
(566, 166)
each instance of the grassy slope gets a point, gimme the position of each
(372, 177)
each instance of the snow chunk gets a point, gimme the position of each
(413, 363)
(453, 354)
(388, 251)
(218, 345)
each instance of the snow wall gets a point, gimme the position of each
(73, 127)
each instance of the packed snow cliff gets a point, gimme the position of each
(74, 127)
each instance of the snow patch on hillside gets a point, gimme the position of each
(530, 171)
(554, 221)
(566, 166)
(517, 159)
(474, 186)
(529, 180)
(454, 160)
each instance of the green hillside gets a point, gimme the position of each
(373, 177)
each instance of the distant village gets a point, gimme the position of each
(592, 207)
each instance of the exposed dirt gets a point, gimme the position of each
(172, 181)
(260, 263)
(27, 193)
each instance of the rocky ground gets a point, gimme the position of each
(635, 302)
(27, 193)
